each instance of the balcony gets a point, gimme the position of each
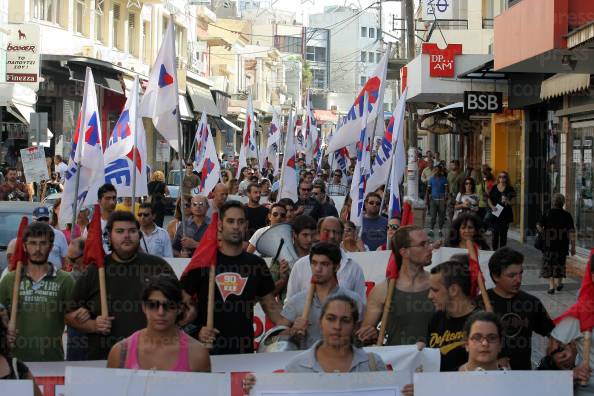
(488, 23)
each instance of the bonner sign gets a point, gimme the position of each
(442, 62)
(22, 55)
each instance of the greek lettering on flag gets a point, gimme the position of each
(362, 169)
(85, 161)
(398, 159)
(121, 148)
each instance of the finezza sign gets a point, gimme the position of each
(22, 55)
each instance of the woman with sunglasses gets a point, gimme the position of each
(500, 201)
(467, 199)
(350, 239)
(161, 345)
(483, 341)
(393, 226)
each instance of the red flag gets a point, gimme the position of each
(475, 271)
(408, 216)
(94, 252)
(19, 251)
(583, 309)
(205, 254)
(392, 269)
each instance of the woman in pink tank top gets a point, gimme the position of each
(161, 345)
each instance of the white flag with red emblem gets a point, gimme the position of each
(128, 137)
(271, 154)
(209, 165)
(289, 174)
(161, 97)
(248, 142)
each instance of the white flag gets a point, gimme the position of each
(86, 157)
(309, 131)
(362, 169)
(210, 167)
(289, 174)
(248, 143)
(119, 153)
(271, 154)
(398, 160)
(381, 166)
(374, 88)
(200, 142)
(161, 97)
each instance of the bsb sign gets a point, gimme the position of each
(442, 62)
(483, 102)
(22, 55)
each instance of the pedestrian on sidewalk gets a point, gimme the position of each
(558, 232)
(501, 195)
(436, 197)
(467, 199)
(455, 178)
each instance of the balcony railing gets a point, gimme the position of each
(488, 23)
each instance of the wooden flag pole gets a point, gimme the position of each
(387, 306)
(103, 292)
(308, 301)
(211, 293)
(586, 353)
(15, 297)
(481, 282)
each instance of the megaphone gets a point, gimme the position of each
(277, 242)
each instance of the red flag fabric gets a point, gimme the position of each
(583, 309)
(408, 217)
(19, 251)
(205, 254)
(475, 271)
(94, 252)
(392, 268)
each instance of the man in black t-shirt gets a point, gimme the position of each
(256, 213)
(242, 279)
(127, 271)
(449, 291)
(521, 313)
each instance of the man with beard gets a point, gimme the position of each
(44, 295)
(242, 279)
(256, 213)
(127, 271)
(107, 198)
(12, 189)
(411, 309)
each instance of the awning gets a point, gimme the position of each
(202, 100)
(184, 109)
(564, 83)
(23, 113)
(104, 78)
(454, 106)
(229, 123)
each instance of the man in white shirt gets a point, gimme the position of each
(155, 240)
(350, 275)
(60, 247)
(60, 167)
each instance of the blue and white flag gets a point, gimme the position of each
(362, 169)
(398, 159)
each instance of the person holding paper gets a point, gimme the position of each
(450, 293)
(484, 332)
(161, 345)
(324, 261)
(410, 309)
(500, 201)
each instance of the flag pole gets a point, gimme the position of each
(385, 316)
(134, 147)
(472, 254)
(289, 127)
(179, 139)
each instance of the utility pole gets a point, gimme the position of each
(409, 10)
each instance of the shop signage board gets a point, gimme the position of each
(442, 61)
(483, 102)
(22, 55)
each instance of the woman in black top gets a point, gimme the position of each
(157, 189)
(466, 226)
(501, 194)
(558, 232)
(12, 368)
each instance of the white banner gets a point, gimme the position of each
(494, 383)
(20, 388)
(34, 164)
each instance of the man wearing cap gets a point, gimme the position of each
(60, 247)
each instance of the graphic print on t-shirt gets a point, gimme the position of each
(230, 283)
(446, 342)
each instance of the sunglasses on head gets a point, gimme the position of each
(154, 305)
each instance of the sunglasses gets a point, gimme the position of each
(154, 305)
(74, 258)
(277, 214)
(393, 226)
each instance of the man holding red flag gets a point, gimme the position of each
(127, 271)
(410, 308)
(241, 280)
(44, 295)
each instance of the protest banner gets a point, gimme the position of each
(494, 383)
(20, 388)
(88, 381)
(330, 384)
(34, 164)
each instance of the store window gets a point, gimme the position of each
(581, 171)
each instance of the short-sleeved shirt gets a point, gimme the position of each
(375, 231)
(455, 181)
(256, 218)
(125, 283)
(59, 249)
(41, 310)
(193, 231)
(311, 207)
(447, 334)
(520, 316)
(438, 186)
(157, 243)
(306, 362)
(293, 309)
(240, 282)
